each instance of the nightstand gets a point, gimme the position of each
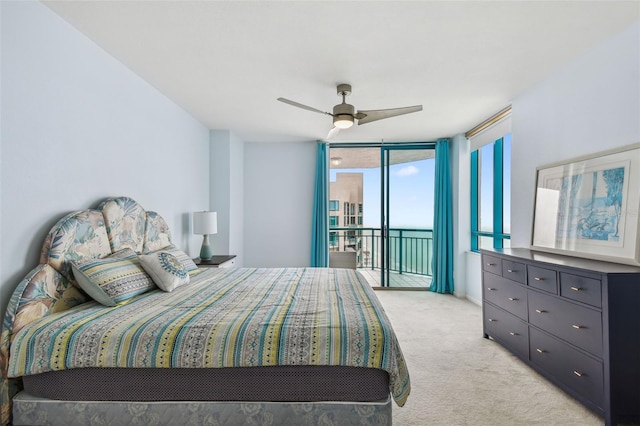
(221, 261)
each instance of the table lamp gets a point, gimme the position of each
(205, 223)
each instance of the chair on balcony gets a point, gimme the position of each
(343, 259)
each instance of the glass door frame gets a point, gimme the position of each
(385, 147)
(385, 165)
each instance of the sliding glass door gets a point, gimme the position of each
(407, 188)
(381, 208)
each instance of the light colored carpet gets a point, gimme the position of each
(460, 378)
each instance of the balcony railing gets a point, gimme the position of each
(410, 250)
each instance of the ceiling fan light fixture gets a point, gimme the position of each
(335, 161)
(343, 121)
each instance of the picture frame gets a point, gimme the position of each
(589, 206)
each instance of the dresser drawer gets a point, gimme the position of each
(506, 294)
(508, 329)
(492, 264)
(576, 324)
(514, 271)
(578, 371)
(583, 289)
(542, 279)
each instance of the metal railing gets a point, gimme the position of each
(410, 250)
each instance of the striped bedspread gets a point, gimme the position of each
(224, 318)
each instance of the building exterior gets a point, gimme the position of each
(345, 211)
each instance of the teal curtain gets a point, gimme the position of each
(320, 221)
(442, 222)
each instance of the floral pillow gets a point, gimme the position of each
(183, 257)
(113, 279)
(165, 269)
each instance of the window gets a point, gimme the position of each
(333, 239)
(334, 205)
(333, 221)
(491, 195)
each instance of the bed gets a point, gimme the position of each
(204, 346)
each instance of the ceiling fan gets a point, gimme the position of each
(344, 113)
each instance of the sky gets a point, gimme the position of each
(411, 194)
(486, 186)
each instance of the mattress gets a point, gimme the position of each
(277, 383)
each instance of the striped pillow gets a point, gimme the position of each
(113, 279)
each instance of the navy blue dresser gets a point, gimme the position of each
(575, 321)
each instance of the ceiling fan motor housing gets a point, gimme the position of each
(343, 115)
(344, 109)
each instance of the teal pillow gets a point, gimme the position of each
(165, 269)
(114, 279)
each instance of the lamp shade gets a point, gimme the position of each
(205, 223)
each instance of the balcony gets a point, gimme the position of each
(410, 253)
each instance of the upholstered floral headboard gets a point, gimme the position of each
(115, 224)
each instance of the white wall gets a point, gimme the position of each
(590, 105)
(236, 212)
(227, 193)
(460, 176)
(473, 277)
(78, 126)
(279, 182)
(466, 264)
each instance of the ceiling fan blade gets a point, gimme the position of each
(299, 105)
(333, 132)
(365, 117)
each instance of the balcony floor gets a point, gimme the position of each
(397, 280)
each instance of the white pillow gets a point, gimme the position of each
(183, 257)
(165, 270)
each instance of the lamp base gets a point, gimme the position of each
(205, 250)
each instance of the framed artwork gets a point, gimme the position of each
(588, 206)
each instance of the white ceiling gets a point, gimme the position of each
(226, 62)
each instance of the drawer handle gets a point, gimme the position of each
(538, 278)
(577, 373)
(492, 320)
(490, 288)
(513, 299)
(491, 264)
(577, 327)
(514, 334)
(541, 351)
(540, 311)
(576, 288)
(509, 270)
